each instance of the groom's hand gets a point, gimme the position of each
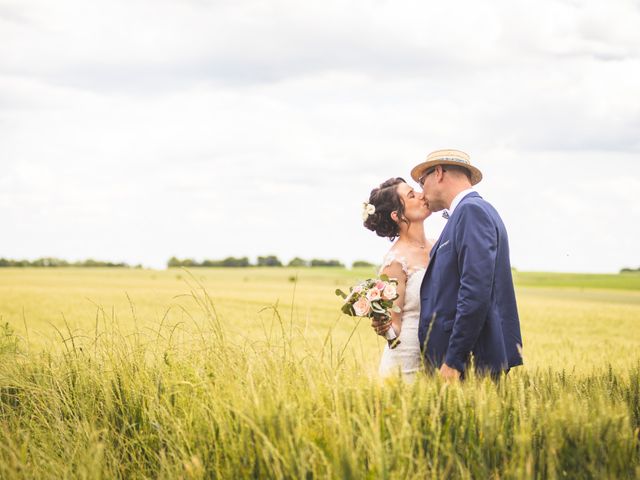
(381, 324)
(448, 373)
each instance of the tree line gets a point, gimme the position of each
(630, 270)
(58, 262)
(266, 261)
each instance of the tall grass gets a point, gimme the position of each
(178, 402)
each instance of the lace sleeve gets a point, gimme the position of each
(391, 257)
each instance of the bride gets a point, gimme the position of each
(399, 212)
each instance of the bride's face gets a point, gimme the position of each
(415, 205)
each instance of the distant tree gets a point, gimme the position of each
(629, 270)
(326, 263)
(361, 264)
(97, 263)
(5, 262)
(191, 263)
(298, 262)
(236, 262)
(173, 262)
(269, 261)
(49, 262)
(187, 262)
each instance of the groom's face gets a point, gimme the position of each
(432, 188)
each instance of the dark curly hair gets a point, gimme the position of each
(386, 200)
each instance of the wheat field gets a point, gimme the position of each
(253, 373)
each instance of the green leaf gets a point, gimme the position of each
(340, 293)
(377, 308)
(347, 309)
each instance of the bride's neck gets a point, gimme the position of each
(414, 233)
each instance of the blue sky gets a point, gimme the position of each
(134, 131)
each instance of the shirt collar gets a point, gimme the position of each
(457, 199)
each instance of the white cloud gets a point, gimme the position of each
(142, 130)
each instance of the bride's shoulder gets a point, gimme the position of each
(395, 258)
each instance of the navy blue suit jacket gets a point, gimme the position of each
(468, 303)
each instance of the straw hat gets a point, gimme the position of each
(447, 157)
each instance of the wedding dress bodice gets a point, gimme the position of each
(405, 358)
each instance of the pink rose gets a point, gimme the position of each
(373, 294)
(362, 307)
(390, 292)
(357, 289)
(381, 285)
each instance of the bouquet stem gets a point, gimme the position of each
(393, 340)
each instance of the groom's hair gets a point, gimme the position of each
(386, 200)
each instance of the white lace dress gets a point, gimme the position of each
(405, 359)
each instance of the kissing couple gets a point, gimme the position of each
(456, 299)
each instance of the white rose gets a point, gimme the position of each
(390, 292)
(373, 294)
(362, 307)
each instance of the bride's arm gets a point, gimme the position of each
(394, 271)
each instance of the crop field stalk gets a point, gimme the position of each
(254, 373)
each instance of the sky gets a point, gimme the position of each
(138, 130)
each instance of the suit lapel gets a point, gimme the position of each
(464, 199)
(434, 250)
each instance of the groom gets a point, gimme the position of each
(468, 303)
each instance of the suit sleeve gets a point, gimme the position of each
(476, 240)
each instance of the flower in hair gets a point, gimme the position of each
(367, 210)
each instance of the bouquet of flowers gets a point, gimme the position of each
(373, 298)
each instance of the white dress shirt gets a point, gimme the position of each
(457, 199)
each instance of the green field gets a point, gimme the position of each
(213, 373)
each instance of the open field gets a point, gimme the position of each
(252, 373)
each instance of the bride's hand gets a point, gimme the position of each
(381, 324)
